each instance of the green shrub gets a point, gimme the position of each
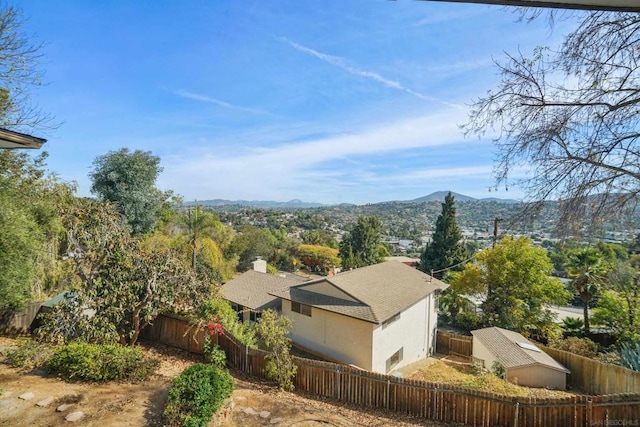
(629, 354)
(29, 354)
(196, 394)
(94, 362)
(498, 370)
(580, 346)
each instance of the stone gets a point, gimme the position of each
(74, 416)
(45, 402)
(27, 396)
(249, 411)
(64, 407)
(265, 414)
(275, 420)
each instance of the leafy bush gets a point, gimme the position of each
(196, 394)
(580, 346)
(94, 362)
(498, 370)
(215, 355)
(29, 354)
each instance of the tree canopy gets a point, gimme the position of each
(570, 114)
(362, 245)
(446, 248)
(128, 179)
(513, 279)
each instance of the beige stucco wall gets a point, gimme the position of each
(480, 351)
(340, 337)
(537, 376)
(410, 332)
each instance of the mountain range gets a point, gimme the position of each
(437, 196)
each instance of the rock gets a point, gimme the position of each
(64, 407)
(45, 402)
(249, 411)
(26, 396)
(74, 416)
(265, 414)
(275, 420)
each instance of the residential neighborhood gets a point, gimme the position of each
(244, 213)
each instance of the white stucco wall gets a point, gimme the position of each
(410, 332)
(340, 337)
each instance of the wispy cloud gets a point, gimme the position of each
(322, 167)
(203, 98)
(344, 64)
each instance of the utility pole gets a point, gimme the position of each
(495, 230)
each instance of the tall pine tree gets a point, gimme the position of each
(446, 249)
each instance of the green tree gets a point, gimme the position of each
(124, 285)
(318, 236)
(318, 259)
(362, 245)
(513, 279)
(588, 270)
(446, 249)
(30, 229)
(251, 242)
(618, 306)
(570, 114)
(272, 330)
(128, 180)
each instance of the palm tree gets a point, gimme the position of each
(588, 270)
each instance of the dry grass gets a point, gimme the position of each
(464, 375)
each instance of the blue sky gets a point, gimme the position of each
(336, 101)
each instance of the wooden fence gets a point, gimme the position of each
(459, 345)
(594, 377)
(428, 400)
(19, 323)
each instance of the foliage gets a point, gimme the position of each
(362, 245)
(19, 75)
(629, 354)
(580, 346)
(219, 311)
(319, 237)
(30, 228)
(249, 244)
(498, 370)
(446, 249)
(216, 356)
(318, 259)
(196, 394)
(128, 180)
(588, 270)
(618, 307)
(571, 115)
(124, 285)
(93, 362)
(29, 354)
(572, 325)
(513, 279)
(273, 329)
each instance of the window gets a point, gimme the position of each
(301, 308)
(394, 359)
(239, 310)
(390, 320)
(254, 316)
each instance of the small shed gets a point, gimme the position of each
(524, 363)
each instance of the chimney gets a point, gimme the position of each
(260, 265)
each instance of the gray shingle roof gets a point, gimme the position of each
(502, 343)
(381, 291)
(251, 289)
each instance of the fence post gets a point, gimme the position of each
(246, 358)
(515, 417)
(388, 392)
(435, 403)
(338, 382)
(589, 412)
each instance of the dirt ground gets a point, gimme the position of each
(123, 404)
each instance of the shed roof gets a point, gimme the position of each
(12, 139)
(378, 292)
(251, 289)
(503, 344)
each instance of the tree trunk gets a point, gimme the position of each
(585, 311)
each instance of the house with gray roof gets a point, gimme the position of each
(250, 293)
(524, 363)
(378, 318)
